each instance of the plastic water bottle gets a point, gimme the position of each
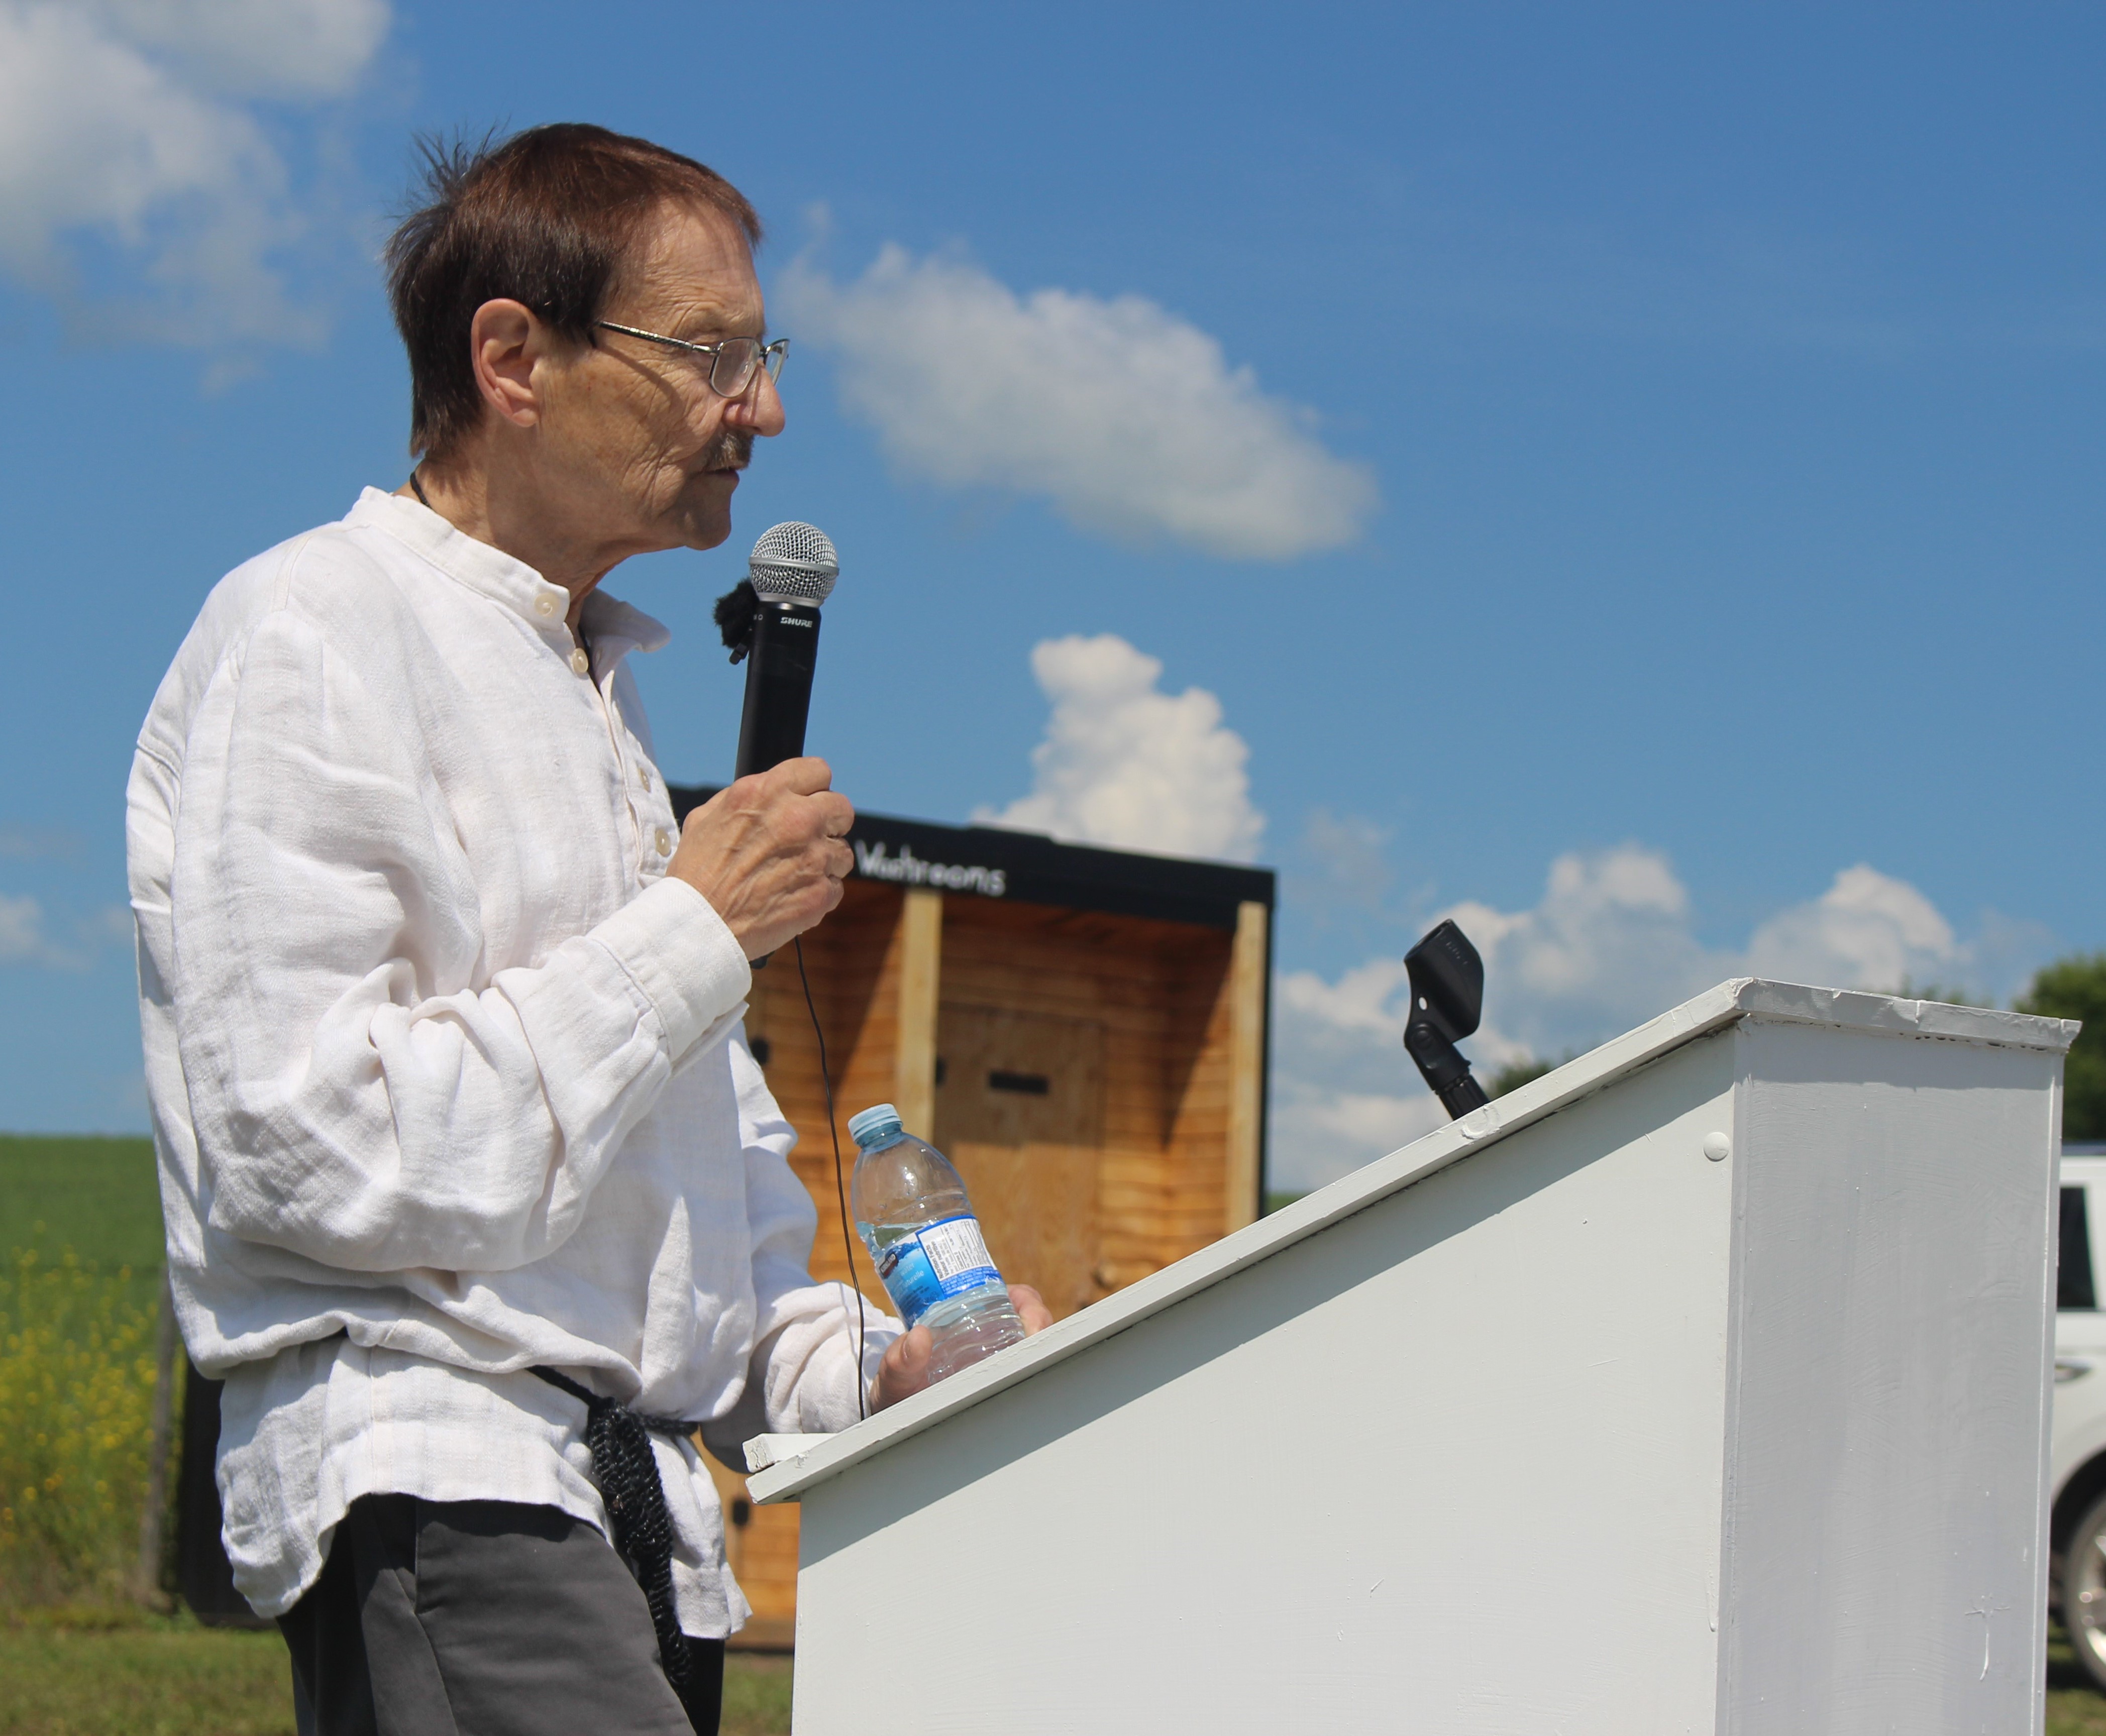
(912, 1214)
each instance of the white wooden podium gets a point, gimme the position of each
(1701, 1386)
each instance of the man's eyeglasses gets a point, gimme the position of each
(731, 361)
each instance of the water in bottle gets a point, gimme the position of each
(912, 1214)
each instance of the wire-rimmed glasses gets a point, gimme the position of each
(732, 360)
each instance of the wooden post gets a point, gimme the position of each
(153, 1522)
(921, 974)
(1248, 969)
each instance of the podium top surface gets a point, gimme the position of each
(1738, 999)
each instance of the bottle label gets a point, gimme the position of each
(936, 1261)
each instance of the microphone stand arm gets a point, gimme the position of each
(1442, 1066)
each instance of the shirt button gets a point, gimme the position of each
(665, 842)
(643, 775)
(580, 662)
(544, 605)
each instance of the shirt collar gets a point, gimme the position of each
(611, 623)
(493, 573)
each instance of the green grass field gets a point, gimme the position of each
(98, 1195)
(73, 1661)
(80, 1262)
(170, 1677)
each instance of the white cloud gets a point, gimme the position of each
(30, 843)
(1343, 1090)
(260, 48)
(25, 937)
(1866, 931)
(129, 123)
(1127, 418)
(1126, 765)
(1347, 852)
(1609, 946)
(21, 930)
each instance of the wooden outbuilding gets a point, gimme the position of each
(1082, 1031)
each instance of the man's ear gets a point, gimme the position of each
(505, 339)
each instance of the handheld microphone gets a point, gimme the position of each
(792, 572)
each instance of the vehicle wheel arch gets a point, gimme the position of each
(2083, 1488)
(2084, 1485)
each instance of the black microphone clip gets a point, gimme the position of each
(1447, 1000)
(734, 611)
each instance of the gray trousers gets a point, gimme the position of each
(484, 1618)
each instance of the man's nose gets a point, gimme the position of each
(758, 407)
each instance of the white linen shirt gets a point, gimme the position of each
(447, 1076)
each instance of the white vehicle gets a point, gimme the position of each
(2076, 1533)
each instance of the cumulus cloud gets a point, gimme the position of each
(30, 843)
(1611, 944)
(1343, 1092)
(131, 125)
(1866, 931)
(285, 48)
(26, 937)
(21, 930)
(1128, 419)
(1125, 764)
(1347, 852)
(1608, 945)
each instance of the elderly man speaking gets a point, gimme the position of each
(475, 1196)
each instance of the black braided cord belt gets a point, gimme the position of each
(627, 1472)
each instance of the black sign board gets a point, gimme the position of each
(989, 861)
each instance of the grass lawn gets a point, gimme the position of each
(2074, 1707)
(80, 1275)
(99, 1197)
(147, 1676)
(174, 1678)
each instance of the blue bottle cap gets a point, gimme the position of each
(879, 1121)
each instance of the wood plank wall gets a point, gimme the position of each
(1172, 1002)
(1157, 988)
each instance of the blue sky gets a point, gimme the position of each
(1630, 473)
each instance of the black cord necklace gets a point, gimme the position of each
(425, 498)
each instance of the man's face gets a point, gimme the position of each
(645, 452)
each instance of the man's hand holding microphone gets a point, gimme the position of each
(769, 852)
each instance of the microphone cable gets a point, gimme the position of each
(841, 1187)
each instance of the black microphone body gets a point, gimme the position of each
(778, 685)
(792, 572)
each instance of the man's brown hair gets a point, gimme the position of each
(546, 218)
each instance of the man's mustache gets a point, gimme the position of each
(731, 450)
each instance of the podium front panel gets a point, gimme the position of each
(1702, 1385)
(1454, 1462)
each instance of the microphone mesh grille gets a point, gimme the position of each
(794, 563)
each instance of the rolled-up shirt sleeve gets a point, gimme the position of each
(366, 1090)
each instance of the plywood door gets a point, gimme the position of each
(1020, 1110)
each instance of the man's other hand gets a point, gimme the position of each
(905, 1370)
(769, 853)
